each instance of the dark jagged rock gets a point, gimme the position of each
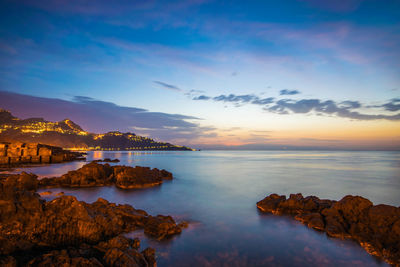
(29, 223)
(118, 251)
(65, 257)
(161, 227)
(106, 160)
(139, 177)
(23, 181)
(89, 175)
(94, 174)
(8, 261)
(375, 228)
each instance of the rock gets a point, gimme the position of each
(183, 224)
(8, 261)
(64, 258)
(46, 193)
(110, 160)
(120, 242)
(295, 204)
(118, 251)
(376, 228)
(94, 174)
(89, 175)
(271, 203)
(117, 257)
(106, 160)
(29, 223)
(138, 177)
(150, 256)
(312, 220)
(161, 227)
(122, 251)
(166, 175)
(22, 181)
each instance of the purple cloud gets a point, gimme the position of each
(101, 116)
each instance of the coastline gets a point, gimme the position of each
(172, 204)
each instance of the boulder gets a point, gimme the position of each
(376, 228)
(123, 177)
(138, 177)
(89, 175)
(270, 203)
(22, 181)
(162, 227)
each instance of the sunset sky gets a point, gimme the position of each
(209, 74)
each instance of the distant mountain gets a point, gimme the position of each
(68, 134)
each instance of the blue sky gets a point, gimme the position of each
(303, 61)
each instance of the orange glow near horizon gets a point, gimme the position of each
(326, 132)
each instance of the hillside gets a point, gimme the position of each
(68, 134)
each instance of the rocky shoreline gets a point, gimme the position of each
(375, 227)
(68, 232)
(123, 177)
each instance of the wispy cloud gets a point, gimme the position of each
(237, 99)
(289, 92)
(344, 109)
(328, 107)
(168, 86)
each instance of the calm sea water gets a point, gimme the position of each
(217, 191)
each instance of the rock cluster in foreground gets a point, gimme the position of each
(67, 231)
(94, 174)
(376, 228)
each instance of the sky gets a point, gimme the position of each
(209, 74)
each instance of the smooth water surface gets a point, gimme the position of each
(217, 191)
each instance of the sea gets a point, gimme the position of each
(216, 192)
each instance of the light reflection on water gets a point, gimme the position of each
(216, 192)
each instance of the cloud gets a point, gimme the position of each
(351, 104)
(201, 97)
(328, 107)
(168, 86)
(263, 101)
(289, 92)
(234, 98)
(393, 105)
(237, 99)
(344, 109)
(101, 116)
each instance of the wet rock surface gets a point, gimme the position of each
(106, 160)
(94, 174)
(69, 232)
(375, 228)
